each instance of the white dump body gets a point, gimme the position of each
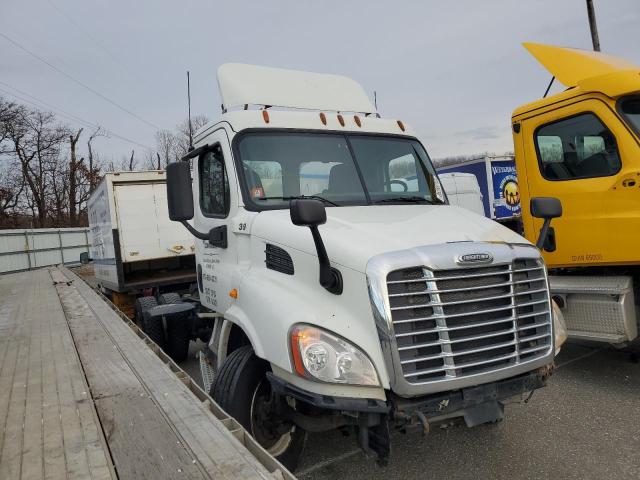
(463, 190)
(129, 222)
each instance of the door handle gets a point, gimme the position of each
(629, 180)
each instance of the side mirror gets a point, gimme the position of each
(179, 196)
(307, 212)
(546, 208)
(84, 258)
(311, 213)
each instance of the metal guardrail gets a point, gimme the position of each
(26, 249)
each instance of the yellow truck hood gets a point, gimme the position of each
(572, 65)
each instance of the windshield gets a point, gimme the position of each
(336, 169)
(630, 108)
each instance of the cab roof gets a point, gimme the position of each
(257, 97)
(241, 120)
(583, 71)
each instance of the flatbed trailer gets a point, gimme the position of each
(85, 394)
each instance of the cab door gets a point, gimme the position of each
(216, 195)
(580, 153)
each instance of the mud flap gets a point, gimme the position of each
(380, 441)
(488, 412)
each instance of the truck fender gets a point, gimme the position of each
(235, 316)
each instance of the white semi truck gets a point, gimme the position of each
(345, 296)
(142, 259)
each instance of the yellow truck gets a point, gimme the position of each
(582, 146)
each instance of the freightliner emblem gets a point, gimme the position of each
(475, 258)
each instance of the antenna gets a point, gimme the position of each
(375, 99)
(548, 87)
(189, 103)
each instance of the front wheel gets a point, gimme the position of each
(242, 389)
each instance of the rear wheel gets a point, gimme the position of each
(178, 330)
(152, 326)
(142, 304)
(242, 389)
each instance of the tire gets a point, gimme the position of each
(178, 330)
(142, 304)
(151, 326)
(171, 297)
(238, 388)
(178, 337)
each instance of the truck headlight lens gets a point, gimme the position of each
(559, 327)
(326, 357)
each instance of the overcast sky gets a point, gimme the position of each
(453, 70)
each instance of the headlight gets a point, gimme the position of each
(559, 327)
(326, 357)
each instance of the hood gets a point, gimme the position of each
(571, 65)
(352, 235)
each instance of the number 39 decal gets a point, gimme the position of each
(242, 227)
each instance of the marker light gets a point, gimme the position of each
(320, 355)
(323, 118)
(341, 120)
(265, 116)
(401, 125)
(357, 120)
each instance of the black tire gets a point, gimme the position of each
(238, 387)
(152, 326)
(178, 337)
(142, 304)
(171, 297)
(178, 330)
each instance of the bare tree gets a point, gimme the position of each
(37, 139)
(166, 143)
(11, 188)
(132, 161)
(9, 113)
(93, 171)
(182, 135)
(74, 166)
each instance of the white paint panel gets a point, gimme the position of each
(21, 249)
(72, 239)
(71, 255)
(14, 262)
(137, 222)
(39, 240)
(174, 238)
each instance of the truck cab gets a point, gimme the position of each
(582, 146)
(346, 296)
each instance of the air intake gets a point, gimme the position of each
(278, 259)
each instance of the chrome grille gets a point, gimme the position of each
(461, 322)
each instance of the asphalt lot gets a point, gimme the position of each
(585, 425)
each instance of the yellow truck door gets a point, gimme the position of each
(584, 155)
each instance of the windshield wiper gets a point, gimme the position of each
(410, 199)
(297, 197)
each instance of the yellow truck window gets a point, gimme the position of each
(577, 147)
(630, 109)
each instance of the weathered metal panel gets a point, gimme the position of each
(24, 249)
(14, 262)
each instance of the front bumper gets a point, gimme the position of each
(373, 418)
(444, 404)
